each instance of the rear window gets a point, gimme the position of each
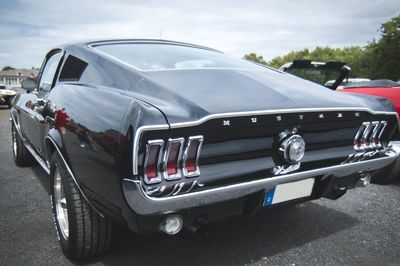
(154, 56)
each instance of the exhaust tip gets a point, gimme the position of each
(365, 180)
(172, 225)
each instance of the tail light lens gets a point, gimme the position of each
(374, 141)
(366, 136)
(154, 149)
(191, 156)
(357, 138)
(369, 135)
(172, 159)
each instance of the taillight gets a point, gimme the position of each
(152, 161)
(357, 138)
(374, 140)
(369, 135)
(365, 139)
(191, 156)
(172, 158)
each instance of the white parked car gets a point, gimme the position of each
(6, 95)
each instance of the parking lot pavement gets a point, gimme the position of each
(361, 228)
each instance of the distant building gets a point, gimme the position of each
(13, 78)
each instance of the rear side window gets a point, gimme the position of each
(73, 69)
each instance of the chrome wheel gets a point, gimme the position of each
(60, 203)
(14, 142)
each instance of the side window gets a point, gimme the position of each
(47, 77)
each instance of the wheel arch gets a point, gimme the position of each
(53, 144)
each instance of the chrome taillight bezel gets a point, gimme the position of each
(191, 139)
(369, 135)
(178, 174)
(157, 142)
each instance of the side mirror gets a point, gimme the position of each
(28, 84)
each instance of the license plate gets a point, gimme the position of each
(289, 191)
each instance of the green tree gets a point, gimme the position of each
(384, 54)
(255, 58)
(377, 60)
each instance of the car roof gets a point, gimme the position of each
(93, 43)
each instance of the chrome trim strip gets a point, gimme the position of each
(365, 136)
(357, 138)
(178, 174)
(277, 111)
(138, 134)
(145, 205)
(179, 189)
(12, 119)
(37, 158)
(160, 143)
(140, 130)
(200, 139)
(384, 123)
(374, 136)
(29, 148)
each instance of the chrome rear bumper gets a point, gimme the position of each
(145, 205)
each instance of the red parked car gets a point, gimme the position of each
(383, 88)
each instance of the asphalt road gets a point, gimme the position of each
(361, 228)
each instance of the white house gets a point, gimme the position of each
(13, 78)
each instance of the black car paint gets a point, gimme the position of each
(112, 100)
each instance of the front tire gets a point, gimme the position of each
(82, 232)
(22, 157)
(9, 101)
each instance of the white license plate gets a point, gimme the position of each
(289, 191)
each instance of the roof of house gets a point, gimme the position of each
(19, 73)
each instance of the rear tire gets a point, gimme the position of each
(386, 176)
(22, 157)
(82, 232)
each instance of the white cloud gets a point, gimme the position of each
(269, 28)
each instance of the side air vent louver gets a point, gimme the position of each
(369, 135)
(73, 69)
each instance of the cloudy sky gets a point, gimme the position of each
(270, 28)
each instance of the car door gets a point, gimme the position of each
(33, 120)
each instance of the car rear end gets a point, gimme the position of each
(233, 164)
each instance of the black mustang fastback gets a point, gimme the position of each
(160, 135)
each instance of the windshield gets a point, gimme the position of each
(155, 56)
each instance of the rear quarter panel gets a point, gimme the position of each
(91, 138)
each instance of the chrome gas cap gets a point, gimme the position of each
(293, 148)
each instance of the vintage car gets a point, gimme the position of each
(382, 87)
(6, 95)
(160, 135)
